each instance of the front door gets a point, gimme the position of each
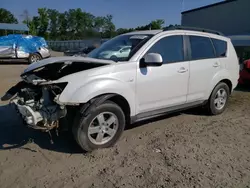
(166, 85)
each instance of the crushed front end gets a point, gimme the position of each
(37, 106)
(37, 95)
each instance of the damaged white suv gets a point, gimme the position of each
(165, 71)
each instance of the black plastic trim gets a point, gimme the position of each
(188, 47)
(165, 111)
(193, 29)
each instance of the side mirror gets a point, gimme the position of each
(153, 59)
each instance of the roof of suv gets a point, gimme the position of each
(189, 30)
(145, 32)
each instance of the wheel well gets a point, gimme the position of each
(38, 54)
(117, 99)
(123, 103)
(229, 83)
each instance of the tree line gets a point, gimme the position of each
(73, 24)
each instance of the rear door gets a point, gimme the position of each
(203, 66)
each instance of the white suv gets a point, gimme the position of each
(166, 70)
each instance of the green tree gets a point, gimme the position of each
(53, 16)
(80, 24)
(63, 26)
(43, 22)
(98, 23)
(72, 24)
(122, 31)
(157, 24)
(109, 27)
(7, 17)
(33, 26)
(30, 22)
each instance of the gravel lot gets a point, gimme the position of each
(187, 149)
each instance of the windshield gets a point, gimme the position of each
(117, 48)
(113, 49)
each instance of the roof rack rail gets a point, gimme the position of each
(192, 29)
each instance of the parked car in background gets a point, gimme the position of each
(245, 73)
(242, 46)
(79, 51)
(116, 52)
(27, 47)
(84, 51)
(165, 71)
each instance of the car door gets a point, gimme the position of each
(203, 66)
(166, 85)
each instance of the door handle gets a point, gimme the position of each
(216, 64)
(182, 70)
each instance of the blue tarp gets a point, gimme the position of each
(25, 43)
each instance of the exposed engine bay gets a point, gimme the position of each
(37, 105)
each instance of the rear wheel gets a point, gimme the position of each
(34, 58)
(100, 128)
(219, 98)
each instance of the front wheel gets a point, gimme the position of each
(100, 128)
(34, 58)
(219, 98)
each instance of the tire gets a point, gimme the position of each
(114, 58)
(34, 58)
(217, 103)
(88, 125)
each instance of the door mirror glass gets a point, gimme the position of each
(153, 59)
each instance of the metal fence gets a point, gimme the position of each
(73, 44)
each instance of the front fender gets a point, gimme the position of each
(99, 87)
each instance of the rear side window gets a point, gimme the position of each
(201, 48)
(220, 47)
(170, 48)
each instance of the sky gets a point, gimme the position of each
(126, 13)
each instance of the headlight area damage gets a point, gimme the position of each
(37, 104)
(36, 96)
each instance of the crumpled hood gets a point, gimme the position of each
(66, 59)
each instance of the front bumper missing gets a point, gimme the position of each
(40, 119)
(29, 116)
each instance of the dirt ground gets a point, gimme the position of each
(187, 149)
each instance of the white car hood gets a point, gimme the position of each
(66, 59)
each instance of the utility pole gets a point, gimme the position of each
(182, 5)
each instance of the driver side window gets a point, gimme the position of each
(170, 48)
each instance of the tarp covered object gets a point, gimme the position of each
(22, 43)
